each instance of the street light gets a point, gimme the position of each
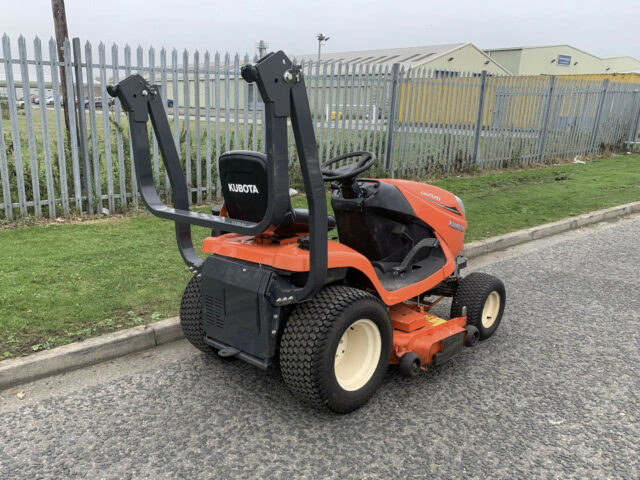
(262, 47)
(321, 38)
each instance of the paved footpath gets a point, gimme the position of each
(554, 394)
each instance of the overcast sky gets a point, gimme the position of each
(604, 28)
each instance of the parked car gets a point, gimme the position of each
(35, 99)
(62, 101)
(20, 103)
(97, 102)
(50, 100)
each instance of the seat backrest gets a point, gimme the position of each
(243, 177)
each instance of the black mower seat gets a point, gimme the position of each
(301, 223)
(243, 177)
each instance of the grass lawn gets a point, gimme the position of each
(65, 282)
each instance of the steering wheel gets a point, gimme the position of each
(350, 171)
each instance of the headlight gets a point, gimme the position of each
(461, 205)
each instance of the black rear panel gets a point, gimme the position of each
(235, 308)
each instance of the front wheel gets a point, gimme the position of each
(336, 347)
(484, 296)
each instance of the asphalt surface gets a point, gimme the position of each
(553, 394)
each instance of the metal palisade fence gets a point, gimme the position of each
(418, 122)
(450, 120)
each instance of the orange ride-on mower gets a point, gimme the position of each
(273, 291)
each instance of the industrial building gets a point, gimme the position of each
(458, 57)
(559, 60)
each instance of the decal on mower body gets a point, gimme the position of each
(435, 199)
(429, 194)
(456, 226)
(242, 188)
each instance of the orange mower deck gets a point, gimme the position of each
(418, 331)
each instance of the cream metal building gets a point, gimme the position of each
(559, 60)
(458, 57)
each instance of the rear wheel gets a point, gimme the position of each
(484, 296)
(191, 316)
(336, 347)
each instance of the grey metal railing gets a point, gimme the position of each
(417, 121)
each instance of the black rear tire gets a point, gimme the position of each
(310, 347)
(475, 291)
(191, 319)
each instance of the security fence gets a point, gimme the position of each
(458, 120)
(418, 122)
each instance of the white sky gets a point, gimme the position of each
(603, 28)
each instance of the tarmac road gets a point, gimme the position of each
(553, 394)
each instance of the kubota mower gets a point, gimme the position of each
(274, 291)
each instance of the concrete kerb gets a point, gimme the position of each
(501, 242)
(16, 371)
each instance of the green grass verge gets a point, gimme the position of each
(61, 283)
(508, 201)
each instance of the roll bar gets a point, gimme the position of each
(281, 86)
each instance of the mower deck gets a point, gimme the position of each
(432, 338)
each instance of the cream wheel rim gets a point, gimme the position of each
(491, 309)
(358, 354)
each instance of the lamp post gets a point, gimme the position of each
(262, 46)
(60, 27)
(321, 38)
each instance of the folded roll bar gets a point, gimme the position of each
(281, 86)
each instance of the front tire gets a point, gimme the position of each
(410, 364)
(484, 296)
(336, 347)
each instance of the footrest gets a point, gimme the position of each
(228, 352)
(405, 266)
(450, 347)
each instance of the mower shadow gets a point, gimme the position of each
(266, 392)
